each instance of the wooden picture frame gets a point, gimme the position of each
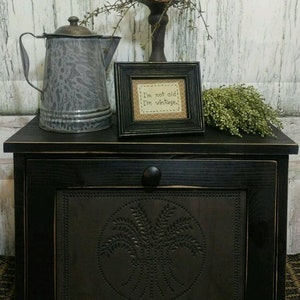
(158, 98)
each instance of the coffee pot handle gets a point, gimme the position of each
(25, 59)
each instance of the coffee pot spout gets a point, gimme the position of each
(109, 46)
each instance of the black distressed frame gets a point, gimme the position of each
(125, 73)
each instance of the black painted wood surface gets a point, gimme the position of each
(32, 139)
(49, 164)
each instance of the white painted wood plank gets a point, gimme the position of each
(293, 227)
(292, 129)
(7, 236)
(255, 42)
(8, 126)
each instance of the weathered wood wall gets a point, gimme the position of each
(254, 42)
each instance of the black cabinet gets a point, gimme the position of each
(177, 217)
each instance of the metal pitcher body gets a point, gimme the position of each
(74, 94)
(74, 91)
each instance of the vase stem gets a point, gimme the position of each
(158, 19)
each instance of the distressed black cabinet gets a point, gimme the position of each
(177, 217)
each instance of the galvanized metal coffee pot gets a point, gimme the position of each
(74, 95)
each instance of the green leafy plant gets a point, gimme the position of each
(239, 109)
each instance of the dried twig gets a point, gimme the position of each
(121, 7)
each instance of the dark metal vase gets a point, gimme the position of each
(158, 19)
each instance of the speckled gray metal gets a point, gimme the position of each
(74, 95)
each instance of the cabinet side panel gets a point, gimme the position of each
(281, 203)
(20, 226)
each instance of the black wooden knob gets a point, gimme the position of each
(151, 177)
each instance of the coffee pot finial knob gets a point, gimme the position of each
(73, 21)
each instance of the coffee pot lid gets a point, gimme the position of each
(73, 29)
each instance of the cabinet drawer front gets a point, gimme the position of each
(214, 173)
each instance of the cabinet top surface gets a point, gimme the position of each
(32, 139)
